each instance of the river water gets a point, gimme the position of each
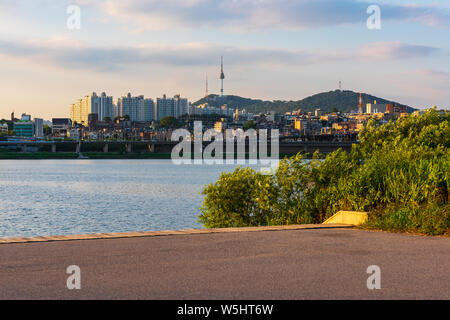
(61, 197)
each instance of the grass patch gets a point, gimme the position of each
(37, 155)
(124, 155)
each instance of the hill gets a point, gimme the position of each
(344, 101)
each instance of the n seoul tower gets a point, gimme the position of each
(222, 76)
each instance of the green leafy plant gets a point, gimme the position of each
(399, 173)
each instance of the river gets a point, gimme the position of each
(62, 197)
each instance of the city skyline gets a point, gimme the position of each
(137, 108)
(284, 50)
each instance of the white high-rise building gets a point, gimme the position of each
(164, 108)
(181, 106)
(93, 104)
(137, 108)
(105, 109)
(116, 110)
(149, 109)
(38, 128)
(171, 107)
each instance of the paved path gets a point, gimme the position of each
(291, 264)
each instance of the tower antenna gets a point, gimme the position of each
(222, 76)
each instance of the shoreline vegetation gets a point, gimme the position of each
(399, 173)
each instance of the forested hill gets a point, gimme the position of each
(344, 101)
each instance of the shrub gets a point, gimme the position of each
(399, 173)
(233, 200)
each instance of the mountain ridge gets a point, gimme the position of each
(344, 101)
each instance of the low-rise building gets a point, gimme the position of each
(219, 126)
(23, 128)
(302, 125)
(60, 126)
(74, 134)
(318, 112)
(3, 128)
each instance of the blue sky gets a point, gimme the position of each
(273, 49)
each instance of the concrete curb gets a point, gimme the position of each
(355, 218)
(165, 233)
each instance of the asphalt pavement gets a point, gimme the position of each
(288, 264)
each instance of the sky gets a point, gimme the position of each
(273, 50)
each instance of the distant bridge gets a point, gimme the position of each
(159, 147)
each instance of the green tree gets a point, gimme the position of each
(249, 125)
(47, 130)
(169, 122)
(233, 201)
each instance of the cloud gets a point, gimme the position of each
(70, 55)
(432, 73)
(428, 15)
(75, 55)
(395, 51)
(244, 15)
(439, 74)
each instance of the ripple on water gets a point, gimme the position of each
(57, 197)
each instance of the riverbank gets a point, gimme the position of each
(74, 155)
(37, 155)
(95, 155)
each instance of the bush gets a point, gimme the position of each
(233, 200)
(399, 173)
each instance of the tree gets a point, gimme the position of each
(47, 130)
(169, 122)
(249, 125)
(233, 200)
(107, 119)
